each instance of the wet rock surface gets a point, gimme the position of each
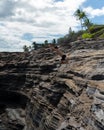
(36, 93)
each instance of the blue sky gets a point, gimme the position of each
(25, 21)
(96, 4)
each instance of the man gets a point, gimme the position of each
(64, 60)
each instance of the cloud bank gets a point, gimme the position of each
(25, 21)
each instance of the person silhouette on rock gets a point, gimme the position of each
(64, 59)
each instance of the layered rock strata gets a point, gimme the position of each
(37, 93)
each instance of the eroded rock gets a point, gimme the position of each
(36, 93)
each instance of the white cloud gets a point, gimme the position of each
(43, 19)
(94, 12)
(7, 8)
(10, 37)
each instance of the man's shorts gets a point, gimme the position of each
(63, 57)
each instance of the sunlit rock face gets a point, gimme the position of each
(37, 93)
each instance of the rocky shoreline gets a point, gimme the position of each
(36, 93)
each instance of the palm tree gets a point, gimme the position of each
(34, 45)
(80, 16)
(87, 23)
(25, 48)
(54, 41)
(46, 42)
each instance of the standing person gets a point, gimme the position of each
(60, 53)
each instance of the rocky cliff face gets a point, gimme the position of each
(36, 93)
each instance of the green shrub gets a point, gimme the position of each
(102, 36)
(98, 33)
(91, 29)
(95, 28)
(86, 35)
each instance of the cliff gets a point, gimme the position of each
(37, 93)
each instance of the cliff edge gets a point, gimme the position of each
(37, 93)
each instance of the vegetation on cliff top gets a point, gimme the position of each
(88, 30)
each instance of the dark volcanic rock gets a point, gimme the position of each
(12, 81)
(36, 93)
(13, 99)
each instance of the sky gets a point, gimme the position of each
(25, 21)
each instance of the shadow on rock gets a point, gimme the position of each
(13, 99)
